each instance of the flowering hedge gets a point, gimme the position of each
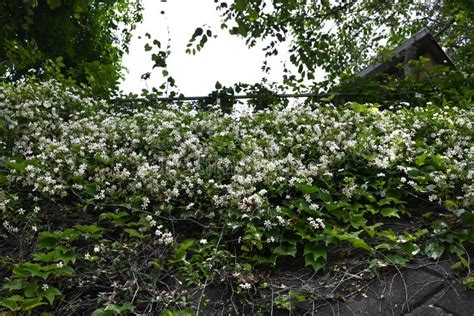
(138, 205)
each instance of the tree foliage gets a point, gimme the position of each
(69, 39)
(341, 36)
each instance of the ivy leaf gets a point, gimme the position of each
(316, 251)
(434, 250)
(359, 243)
(315, 264)
(289, 250)
(396, 260)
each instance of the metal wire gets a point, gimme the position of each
(253, 96)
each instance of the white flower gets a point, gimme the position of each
(316, 223)
(271, 239)
(60, 264)
(245, 286)
(268, 224)
(45, 287)
(87, 256)
(203, 241)
(96, 248)
(145, 203)
(280, 220)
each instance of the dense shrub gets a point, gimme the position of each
(136, 206)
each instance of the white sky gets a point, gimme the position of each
(225, 59)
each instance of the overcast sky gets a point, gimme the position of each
(225, 59)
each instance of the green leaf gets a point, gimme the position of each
(357, 220)
(47, 240)
(44, 257)
(92, 229)
(396, 260)
(51, 294)
(30, 289)
(15, 284)
(307, 189)
(359, 243)
(316, 251)
(411, 248)
(315, 264)
(420, 160)
(119, 308)
(240, 5)
(389, 212)
(31, 303)
(289, 250)
(30, 269)
(468, 283)
(90, 189)
(461, 263)
(434, 250)
(168, 312)
(468, 218)
(64, 271)
(11, 302)
(329, 98)
(65, 255)
(133, 233)
(102, 312)
(119, 219)
(182, 249)
(53, 4)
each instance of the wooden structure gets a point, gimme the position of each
(421, 44)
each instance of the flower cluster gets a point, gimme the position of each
(244, 172)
